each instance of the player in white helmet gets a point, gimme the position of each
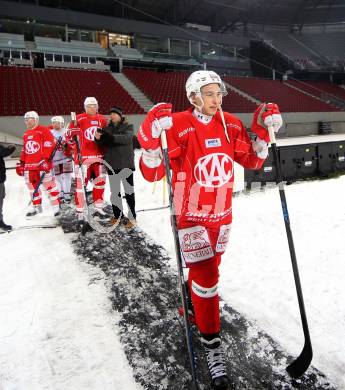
(85, 127)
(35, 160)
(203, 144)
(62, 162)
(31, 119)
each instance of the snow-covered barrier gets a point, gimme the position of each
(144, 291)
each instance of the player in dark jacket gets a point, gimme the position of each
(117, 139)
(5, 151)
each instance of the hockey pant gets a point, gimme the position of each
(202, 249)
(49, 183)
(95, 172)
(63, 175)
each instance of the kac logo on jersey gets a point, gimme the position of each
(214, 170)
(32, 147)
(89, 133)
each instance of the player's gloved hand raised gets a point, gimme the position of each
(71, 134)
(157, 119)
(45, 166)
(160, 116)
(20, 168)
(266, 115)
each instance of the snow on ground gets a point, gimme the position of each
(57, 329)
(256, 273)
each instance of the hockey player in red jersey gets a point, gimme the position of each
(38, 145)
(87, 124)
(62, 161)
(203, 144)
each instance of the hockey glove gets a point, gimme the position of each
(151, 165)
(157, 119)
(266, 115)
(45, 166)
(260, 147)
(20, 168)
(71, 134)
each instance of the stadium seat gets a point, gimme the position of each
(60, 91)
(288, 99)
(170, 87)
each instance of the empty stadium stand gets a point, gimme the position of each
(170, 87)
(291, 46)
(309, 50)
(126, 52)
(321, 89)
(81, 48)
(288, 99)
(161, 87)
(11, 41)
(330, 45)
(53, 91)
(59, 91)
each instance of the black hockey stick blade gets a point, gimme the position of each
(86, 228)
(299, 366)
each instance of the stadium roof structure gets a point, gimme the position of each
(221, 15)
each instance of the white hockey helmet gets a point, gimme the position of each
(31, 114)
(90, 101)
(199, 79)
(58, 119)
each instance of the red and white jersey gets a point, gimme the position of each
(202, 163)
(63, 153)
(88, 125)
(38, 145)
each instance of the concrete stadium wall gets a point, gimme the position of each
(295, 124)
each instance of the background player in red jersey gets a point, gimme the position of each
(203, 144)
(87, 124)
(38, 146)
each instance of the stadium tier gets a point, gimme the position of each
(319, 88)
(59, 91)
(170, 87)
(161, 87)
(52, 91)
(330, 45)
(288, 99)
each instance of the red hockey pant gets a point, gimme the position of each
(95, 172)
(31, 180)
(203, 285)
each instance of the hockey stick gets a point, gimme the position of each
(29, 227)
(301, 364)
(82, 177)
(183, 290)
(89, 222)
(44, 173)
(153, 209)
